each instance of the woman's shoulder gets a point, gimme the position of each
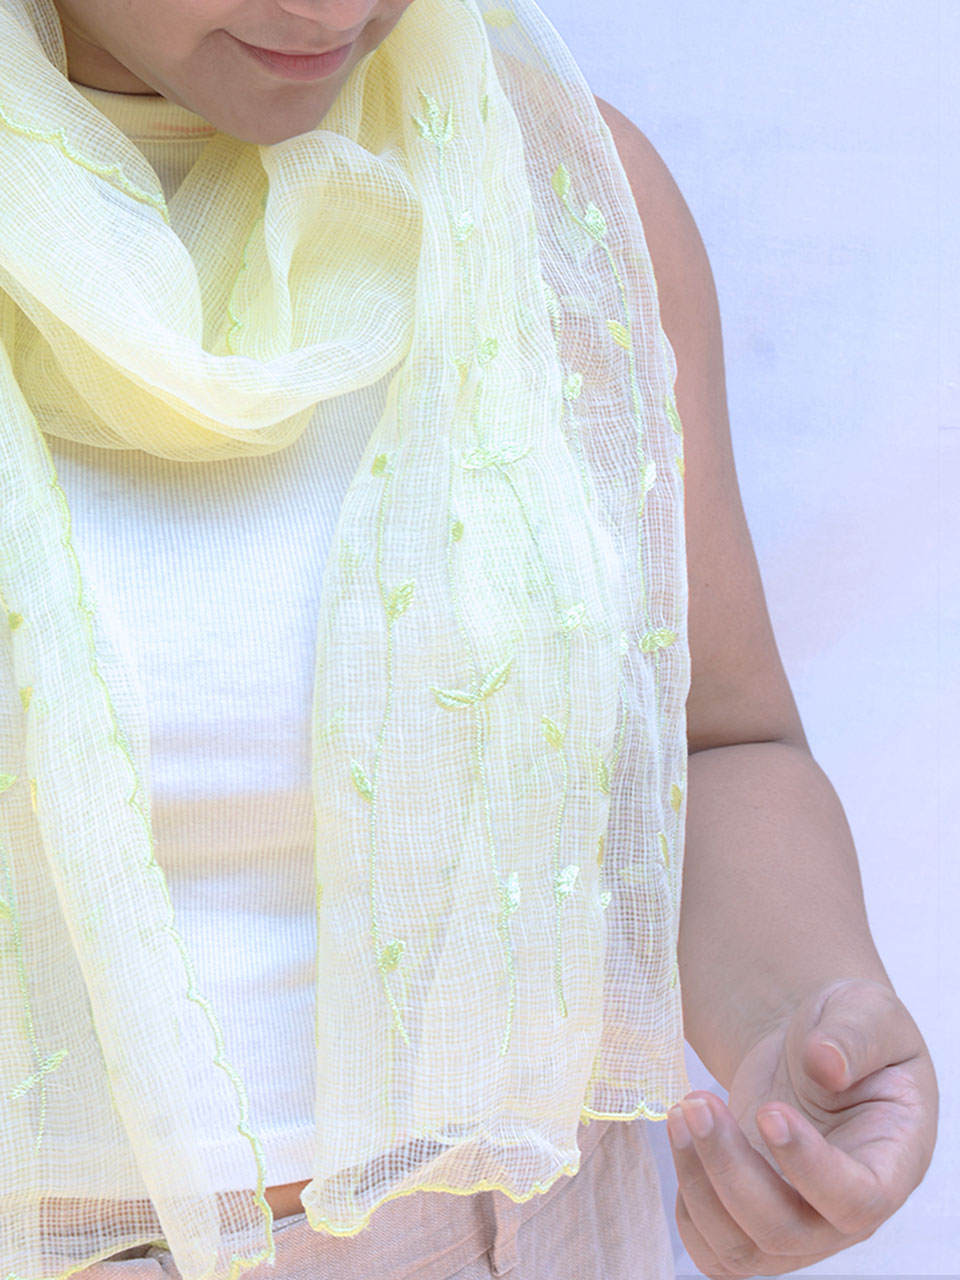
(671, 232)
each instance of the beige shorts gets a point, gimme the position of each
(606, 1223)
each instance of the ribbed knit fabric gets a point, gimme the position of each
(212, 576)
(170, 137)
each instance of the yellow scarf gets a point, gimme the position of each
(499, 747)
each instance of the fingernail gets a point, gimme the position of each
(775, 1130)
(829, 1044)
(678, 1128)
(698, 1116)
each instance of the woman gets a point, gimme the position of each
(195, 578)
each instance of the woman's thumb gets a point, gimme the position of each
(826, 1059)
(851, 1033)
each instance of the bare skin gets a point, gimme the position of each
(188, 52)
(285, 1198)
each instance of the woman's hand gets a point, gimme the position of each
(861, 1136)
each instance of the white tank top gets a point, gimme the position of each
(208, 576)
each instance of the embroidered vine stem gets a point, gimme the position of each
(507, 900)
(135, 802)
(112, 173)
(594, 225)
(562, 886)
(42, 1066)
(440, 130)
(652, 641)
(486, 351)
(563, 880)
(572, 389)
(394, 603)
(235, 321)
(462, 226)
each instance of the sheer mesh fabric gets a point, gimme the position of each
(499, 749)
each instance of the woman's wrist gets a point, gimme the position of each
(772, 903)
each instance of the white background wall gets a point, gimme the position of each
(818, 144)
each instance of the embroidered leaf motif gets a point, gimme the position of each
(566, 879)
(379, 464)
(510, 893)
(333, 727)
(680, 466)
(480, 457)
(561, 181)
(603, 776)
(600, 844)
(7, 780)
(484, 107)
(398, 601)
(490, 682)
(620, 334)
(453, 697)
(552, 731)
(48, 1065)
(605, 899)
(664, 849)
(498, 17)
(435, 129)
(662, 638)
(570, 620)
(360, 779)
(649, 475)
(92, 921)
(494, 679)
(573, 386)
(391, 955)
(673, 415)
(463, 368)
(552, 301)
(512, 453)
(487, 351)
(14, 619)
(595, 221)
(464, 226)
(484, 457)
(349, 560)
(433, 113)
(676, 798)
(456, 533)
(26, 693)
(6, 911)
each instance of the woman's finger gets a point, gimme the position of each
(742, 1208)
(842, 1190)
(711, 1237)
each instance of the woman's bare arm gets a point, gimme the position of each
(772, 901)
(831, 1118)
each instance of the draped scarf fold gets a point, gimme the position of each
(498, 729)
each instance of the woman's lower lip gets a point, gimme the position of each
(299, 66)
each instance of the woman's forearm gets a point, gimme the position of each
(772, 899)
